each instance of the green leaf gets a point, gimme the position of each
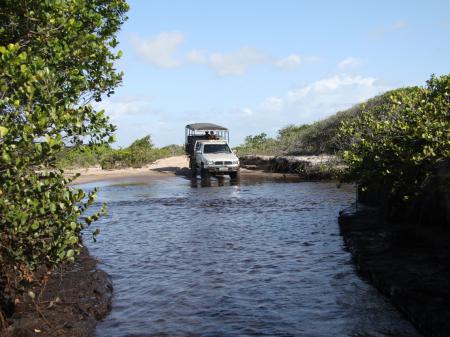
(3, 131)
(70, 253)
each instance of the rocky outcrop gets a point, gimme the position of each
(409, 264)
(307, 167)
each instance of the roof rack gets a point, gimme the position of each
(205, 126)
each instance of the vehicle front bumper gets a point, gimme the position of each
(222, 168)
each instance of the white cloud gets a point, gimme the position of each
(159, 50)
(162, 51)
(228, 64)
(399, 25)
(306, 104)
(350, 62)
(313, 101)
(381, 31)
(330, 86)
(237, 62)
(289, 62)
(303, 104)
(247, 111)
(118, 108)
(272, 104)
(197, 56)
(137, 117)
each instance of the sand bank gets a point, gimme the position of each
(163, 168)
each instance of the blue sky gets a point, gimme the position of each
(256, 66)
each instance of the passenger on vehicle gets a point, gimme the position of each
(212, 136)
(207, 135)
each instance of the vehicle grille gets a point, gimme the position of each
(223, 163)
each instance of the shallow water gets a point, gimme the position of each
(261, 258)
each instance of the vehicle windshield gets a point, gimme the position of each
(216, 148)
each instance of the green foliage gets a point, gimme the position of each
(258, 144)
(398, 143)
(321, 136)
(83, 156)
(141, 152)
(290, 138)
(144, 144)
(55, 58)
(172, 150)
(331, 170)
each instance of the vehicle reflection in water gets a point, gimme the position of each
(254, 257)
(214, 181)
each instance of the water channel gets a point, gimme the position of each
(257, 258)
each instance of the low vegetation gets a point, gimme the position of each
(258, 145)
(141, 152)
(317, 138)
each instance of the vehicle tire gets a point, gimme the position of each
(204, 173)
(234, 175)
(193, 167)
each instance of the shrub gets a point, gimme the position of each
(258, 144)
(55, 58)
(398, 143)
(83, 156)
(141, 152)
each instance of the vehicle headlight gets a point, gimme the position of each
(210, 162)
(235, 161)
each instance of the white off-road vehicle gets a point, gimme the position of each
(208, 151)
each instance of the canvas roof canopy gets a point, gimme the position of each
(205, 126)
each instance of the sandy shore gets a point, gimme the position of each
(163, 168)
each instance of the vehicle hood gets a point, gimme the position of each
(220, 156)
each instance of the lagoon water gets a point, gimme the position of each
(258, 258)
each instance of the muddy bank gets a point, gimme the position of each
(68, 303)
(408, 264)
(322, 167)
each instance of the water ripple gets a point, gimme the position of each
(260, 259)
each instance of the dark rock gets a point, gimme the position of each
(306, 167)
(409, 264)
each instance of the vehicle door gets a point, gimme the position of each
(198, 152)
